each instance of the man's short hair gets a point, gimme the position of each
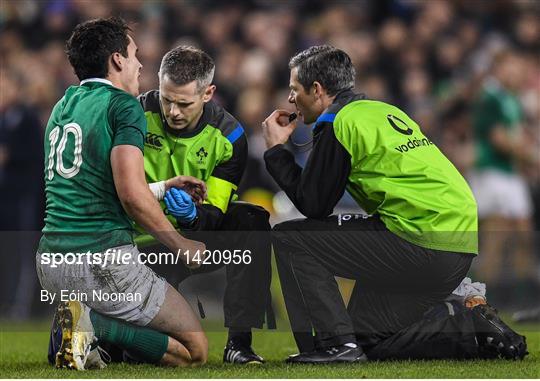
(185, 64)
(93, 42)
(329, 66)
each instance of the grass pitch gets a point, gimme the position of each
(23, 355)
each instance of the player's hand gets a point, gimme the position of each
(180, 205)
(193, 186)
(194, 253)
(277, 128)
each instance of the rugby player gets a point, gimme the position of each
(95, 186)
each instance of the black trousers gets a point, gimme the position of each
(247, 293)
(396, 281)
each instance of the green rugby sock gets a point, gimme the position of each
(144, 343)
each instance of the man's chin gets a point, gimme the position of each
(176, 126)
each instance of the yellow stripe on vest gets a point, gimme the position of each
(219, 192)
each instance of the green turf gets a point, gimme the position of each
(23, 355)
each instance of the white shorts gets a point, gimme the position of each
(501, 193)
(130, 292)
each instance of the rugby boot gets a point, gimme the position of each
(77, 335)
(495, 338)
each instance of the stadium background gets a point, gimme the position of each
(428, 57)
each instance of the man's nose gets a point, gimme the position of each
(174, 110)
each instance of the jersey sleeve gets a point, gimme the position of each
(488, 115)
(317, 188)
(127, 120)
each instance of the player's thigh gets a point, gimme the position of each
(127, 291)
(140, 291)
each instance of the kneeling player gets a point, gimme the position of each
(95, 182)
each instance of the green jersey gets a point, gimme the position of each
(380, 155)
(83, 212)
(496, 107)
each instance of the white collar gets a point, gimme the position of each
(102, 80)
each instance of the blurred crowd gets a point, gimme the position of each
(432, 58)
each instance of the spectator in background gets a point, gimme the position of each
(21, 189)
(456, 139)
(504, 202)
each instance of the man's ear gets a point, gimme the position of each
(317, 89)
(209, 93)
(116, 61)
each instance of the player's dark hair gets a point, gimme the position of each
(185, 64)
(329, 66)
(93, 42)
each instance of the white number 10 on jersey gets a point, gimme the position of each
(71, 128)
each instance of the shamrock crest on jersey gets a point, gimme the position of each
(201, 154)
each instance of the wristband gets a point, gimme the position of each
(158, 190)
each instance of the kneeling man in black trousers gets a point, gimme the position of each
(407, 254)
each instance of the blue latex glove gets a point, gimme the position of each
(180, 205)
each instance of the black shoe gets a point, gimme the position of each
(239, 354)
(495, 338)
(339, 354)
